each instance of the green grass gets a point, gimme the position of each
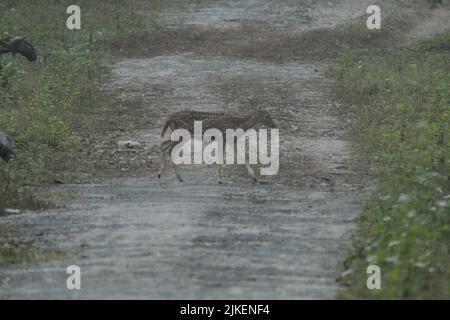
(44, 104)
(41, 103)
(400, 102)
(12, 251)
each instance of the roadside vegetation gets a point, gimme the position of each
(400, 101)
(45, 106)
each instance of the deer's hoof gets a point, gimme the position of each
(159, 176)
(255, 180)
(219, 182)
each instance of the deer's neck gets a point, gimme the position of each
(248, 122)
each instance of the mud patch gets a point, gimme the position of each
(218, 243)
(311, 31)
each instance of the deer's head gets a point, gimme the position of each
(265, 118)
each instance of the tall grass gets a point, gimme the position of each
(401, 104)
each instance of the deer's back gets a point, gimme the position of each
(221, 121)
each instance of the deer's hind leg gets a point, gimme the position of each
(166, 150)
(162, 157)
(174, 168)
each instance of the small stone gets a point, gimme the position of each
(128, 144)
(11, 211)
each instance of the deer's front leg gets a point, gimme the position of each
(162, 157)
(173, 165)
(220, 174)
(250, 171)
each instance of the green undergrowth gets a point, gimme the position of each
(45, 103)
(400, 101)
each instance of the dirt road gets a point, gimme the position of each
(284, 238)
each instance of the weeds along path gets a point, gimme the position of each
(140, 237)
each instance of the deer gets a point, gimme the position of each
(210, 120)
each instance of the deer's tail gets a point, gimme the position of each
(165, 127)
